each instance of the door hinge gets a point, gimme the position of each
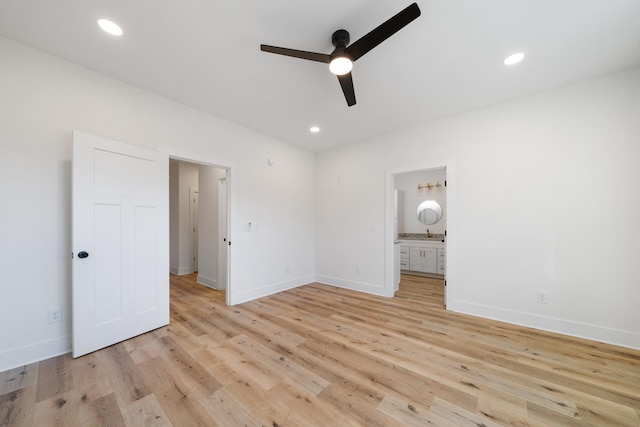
(445, 182)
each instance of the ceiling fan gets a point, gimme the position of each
(344, 55)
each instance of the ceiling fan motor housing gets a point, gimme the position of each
(340, 38)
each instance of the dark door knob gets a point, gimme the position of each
(82, 254)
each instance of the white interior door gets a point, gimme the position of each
(193, 209)
(120, 242)
(223, 234)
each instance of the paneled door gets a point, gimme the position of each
(120, 242)
(223, 234)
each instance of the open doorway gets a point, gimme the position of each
(420, 226)
(418, 249)
(199, 226)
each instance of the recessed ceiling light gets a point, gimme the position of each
(110, 27)
(314, 129)
(514, 59)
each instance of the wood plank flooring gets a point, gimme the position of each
(322, 356)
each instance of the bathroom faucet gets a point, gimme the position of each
(428, 233)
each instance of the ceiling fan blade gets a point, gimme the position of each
(346, 82)
(385, 30)
(302, 54)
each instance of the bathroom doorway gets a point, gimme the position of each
(422, 243)
(415, 186)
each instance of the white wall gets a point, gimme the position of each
(546, 199)
(408, 184)
(43, 99)
(208, 237)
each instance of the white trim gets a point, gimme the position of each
(180, 271)
(352, 285)
(210, 283)
(33, 353)
(551, 324)
(271, 289)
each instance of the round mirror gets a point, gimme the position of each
(429, 212)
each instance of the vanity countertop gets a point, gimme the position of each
(421, 237)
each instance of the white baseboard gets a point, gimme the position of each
(210, 283)
(274, 288)
(34, 353)
(551, 324)
(180, 271)
(368, 288)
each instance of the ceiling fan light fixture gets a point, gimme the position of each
(341, 65)
(344, 55)
(110, 27)
(514, 59)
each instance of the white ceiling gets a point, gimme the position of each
(205, 53)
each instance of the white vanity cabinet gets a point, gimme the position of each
(422, 256)
(441, 255)
(423, 259)
(404, 257)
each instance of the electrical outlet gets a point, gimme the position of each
(543, 298)
(55, 315)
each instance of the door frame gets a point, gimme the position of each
(389, 238)
(230, 167)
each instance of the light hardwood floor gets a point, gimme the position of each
(323, 356)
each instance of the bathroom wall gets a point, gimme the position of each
(408, 184)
